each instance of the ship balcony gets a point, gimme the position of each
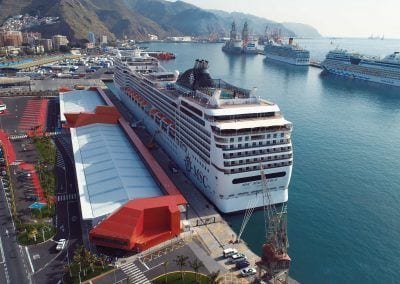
(254, 153)
(256, 167)
(259, 145)
(249, 161)
(249, 131)
(252, 138)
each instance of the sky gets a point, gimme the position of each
(340, 18)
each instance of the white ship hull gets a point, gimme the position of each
(360, 76)
(211, 182)
(289, 60)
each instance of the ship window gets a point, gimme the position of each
(247, 138)
(274, 135)
(269, 136)
(232, 140)
(192, 108)
(258, 177)
(240, 139)
(282, 134)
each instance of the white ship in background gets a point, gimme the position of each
(287, 53)
(217, 133)
(355, 66)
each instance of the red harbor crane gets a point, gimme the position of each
(275, 261)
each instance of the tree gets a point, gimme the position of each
(196, 265)
(33, 234)
(181, 262)
(214, 277)
(165, 265)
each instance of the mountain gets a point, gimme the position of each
(256, 24)
(302, 30)
(138, 18)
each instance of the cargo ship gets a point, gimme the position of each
(218, 134)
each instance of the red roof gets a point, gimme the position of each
(140, 223)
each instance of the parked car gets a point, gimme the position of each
(228, 252)
(248, 271)
(242, 264)
(238, 257)
(61, 244)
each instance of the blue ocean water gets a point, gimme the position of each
(344, 213)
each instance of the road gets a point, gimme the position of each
(14, 267)
(68, 219)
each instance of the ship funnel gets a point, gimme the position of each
(196, 64)
(290, 41)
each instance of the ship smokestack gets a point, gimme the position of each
(196, 64)
(290, 41)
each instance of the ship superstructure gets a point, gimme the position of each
(356, 66)
(287, 53)
(218, 134)
(234, 44)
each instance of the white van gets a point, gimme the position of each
(3, 107)
(228, 252)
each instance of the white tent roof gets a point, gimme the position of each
(109, 171)
(79, 101)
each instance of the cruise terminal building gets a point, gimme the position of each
(125, 196)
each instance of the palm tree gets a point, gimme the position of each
(33, 234)
(79, 258)
(214, 276)
(181, 262)
(165, 265)
(196, 265)
(92, 259)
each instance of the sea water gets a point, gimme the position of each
(344, 196)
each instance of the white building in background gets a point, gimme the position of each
(180, 38)
(104, 40)
(152, 37)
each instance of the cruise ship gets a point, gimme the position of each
(287, 53)
(218, 134)
(384, 71)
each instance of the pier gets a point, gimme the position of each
(316, 64)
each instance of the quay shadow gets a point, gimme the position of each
(388, 96)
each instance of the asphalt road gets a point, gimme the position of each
(68, 221)
(14, 267)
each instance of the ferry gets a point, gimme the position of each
(287, 53)
(357, 66)
(218, 134)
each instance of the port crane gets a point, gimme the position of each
(275, 261)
